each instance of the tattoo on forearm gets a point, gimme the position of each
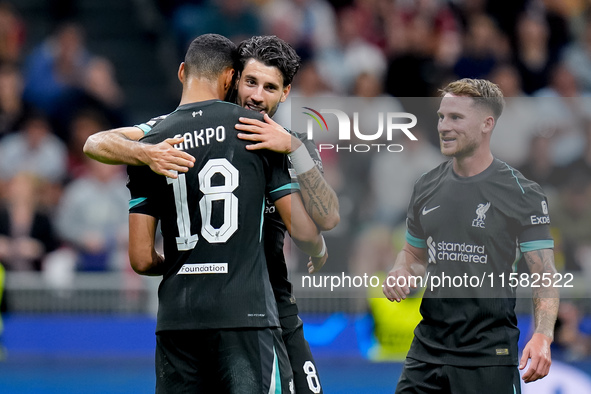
(313, 186)
(545, 299)
(319, 198)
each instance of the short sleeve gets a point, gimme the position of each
(534, 220)
(149, 125)
(414, 233)
(279, 182)
(143, 197)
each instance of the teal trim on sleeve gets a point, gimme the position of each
(416, 242)
(289, 186)
(536, 245)
(135, 201)
(144, 127)
(515, 176)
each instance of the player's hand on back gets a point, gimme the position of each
(267, 135)
(164, 159)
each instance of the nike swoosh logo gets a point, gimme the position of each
(426, 211)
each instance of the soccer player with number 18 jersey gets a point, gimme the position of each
(217, 327)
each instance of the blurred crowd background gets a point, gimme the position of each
(71, 68)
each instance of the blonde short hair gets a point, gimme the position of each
(484, 92)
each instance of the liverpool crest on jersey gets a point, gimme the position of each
(480, 215)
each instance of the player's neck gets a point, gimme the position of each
(472, 165)
(197, 90)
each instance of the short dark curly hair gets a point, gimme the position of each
(208, 55)
(271, 51)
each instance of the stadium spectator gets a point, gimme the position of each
(102, 92)
(557, 14)
(581, 165)
(341, 64)
(26, 231)
(310, 26)
(372, 19)
(563, 108)
(507, 77)
(519, 122)
(83, 125)
(577, 57)
(572, 344)
(532, 56)
(54, 71)
(12, 107)
(571, 216)
(92, 218)
(62, 77)
(484, 47)
(307, 83)
(539, 166)
(34, 149)
(234, 19)
(411, 69)
(12, 34)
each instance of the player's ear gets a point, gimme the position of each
(181, 72)
(228, 78)
(285, 93)
(488, 124)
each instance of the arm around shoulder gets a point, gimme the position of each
(115, 146)
(122, 146)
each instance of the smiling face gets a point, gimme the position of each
(463, 126)
(260, 87)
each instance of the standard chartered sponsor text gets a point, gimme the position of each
(463, 252)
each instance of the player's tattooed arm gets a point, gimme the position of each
(121, 146)
(545, 299)
(320, 200)
(300, 226)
